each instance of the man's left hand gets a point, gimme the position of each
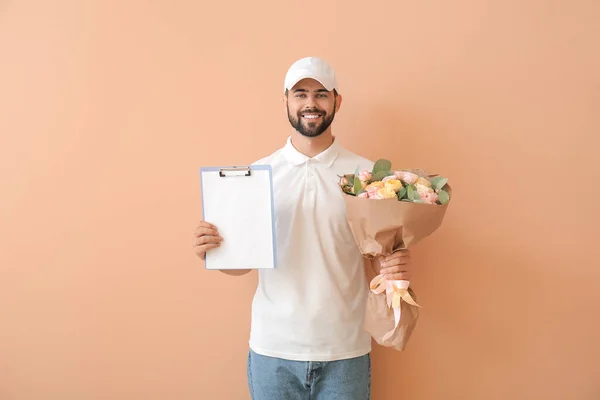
(397, 266)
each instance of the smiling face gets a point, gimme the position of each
(311, 108)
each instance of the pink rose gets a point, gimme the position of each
(423, 190)
(371, 190)
(376, 184)
(406, 177)
(365, 175)
(430, 198)
(343, 181)
(363, 195)
(376, 196)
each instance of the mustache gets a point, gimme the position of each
(312, 111)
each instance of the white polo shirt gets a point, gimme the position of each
(311, 307)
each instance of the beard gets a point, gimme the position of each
(308, 128)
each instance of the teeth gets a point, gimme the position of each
(311, 116)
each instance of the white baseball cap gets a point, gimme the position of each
(311, 67)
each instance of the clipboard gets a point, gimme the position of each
(238, 200)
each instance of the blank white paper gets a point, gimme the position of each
(242, 209)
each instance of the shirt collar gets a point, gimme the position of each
(326, 157)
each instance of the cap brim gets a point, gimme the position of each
(293, 83)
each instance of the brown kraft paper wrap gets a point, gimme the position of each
(381, 227)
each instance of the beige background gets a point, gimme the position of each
(108, 109)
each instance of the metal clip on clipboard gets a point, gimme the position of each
(235, 171)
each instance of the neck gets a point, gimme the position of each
(310, 147)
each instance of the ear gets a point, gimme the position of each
(338, 102)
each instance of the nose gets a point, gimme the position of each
(310, 103)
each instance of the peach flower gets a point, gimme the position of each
(386, 192)
(406, 177)
(423, 181)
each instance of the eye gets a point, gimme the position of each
(299, 95)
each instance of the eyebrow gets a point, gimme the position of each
(318, 90)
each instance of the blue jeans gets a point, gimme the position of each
(272, 378)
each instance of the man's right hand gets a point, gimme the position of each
(206, 237)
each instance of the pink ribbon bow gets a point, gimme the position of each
(396, 291)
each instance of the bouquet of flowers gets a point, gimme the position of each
(411, 206)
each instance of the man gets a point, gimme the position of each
(307, 338)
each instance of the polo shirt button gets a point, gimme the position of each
(310, 189)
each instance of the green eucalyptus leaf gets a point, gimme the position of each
(443, 197)
(382, 165)
(439, 183)
(410, 192)
(434, 181)
(357, 185)
(401, 193)
(379, 175)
